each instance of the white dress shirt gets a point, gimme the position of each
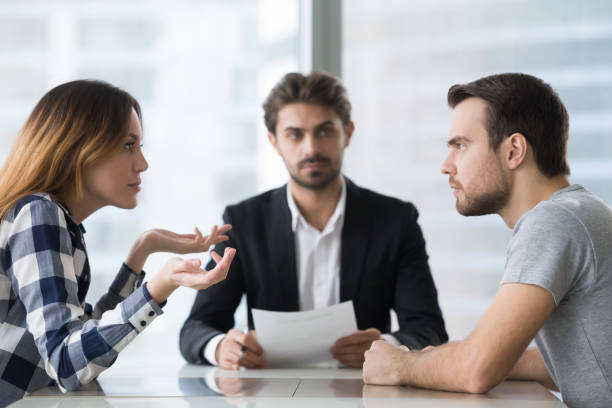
(317, 256)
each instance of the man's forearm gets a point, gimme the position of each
(478, 363)
(455, 366)
(531, 367)
(441, 368)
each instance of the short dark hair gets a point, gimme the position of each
(521, 103)
(317, 88)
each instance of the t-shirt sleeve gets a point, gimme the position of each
(551, 248)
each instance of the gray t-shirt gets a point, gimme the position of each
(564, 245)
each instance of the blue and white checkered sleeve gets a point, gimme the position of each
(126, 282)
(43, 277)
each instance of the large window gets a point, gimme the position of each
(200, 70)
(400, 58)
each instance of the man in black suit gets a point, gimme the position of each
(317, 241)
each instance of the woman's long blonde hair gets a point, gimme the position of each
(74, 126)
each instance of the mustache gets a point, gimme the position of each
(317, 158)
(453, 182)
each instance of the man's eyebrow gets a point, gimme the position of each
(318, 126)
(456, 140)
(323, 124)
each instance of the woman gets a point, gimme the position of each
(80, 150)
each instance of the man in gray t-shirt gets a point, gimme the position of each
(563, 246)
(508, 143)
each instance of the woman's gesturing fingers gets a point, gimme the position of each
(185, 274)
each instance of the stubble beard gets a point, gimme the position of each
(319, 183)
(486, 203)
(491, 201)
(320, 178)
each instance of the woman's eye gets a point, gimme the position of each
(129, 146)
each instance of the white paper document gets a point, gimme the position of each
(294, 339)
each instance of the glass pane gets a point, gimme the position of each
(399, 60)
(200, 70)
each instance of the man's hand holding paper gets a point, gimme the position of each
(240, 349)
(349, 350)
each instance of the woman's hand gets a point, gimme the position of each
(186, 272)
(160, 240)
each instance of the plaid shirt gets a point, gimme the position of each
(47, 331)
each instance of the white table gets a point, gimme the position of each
(319, 388)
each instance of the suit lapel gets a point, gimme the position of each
(285, 260)
(355, 233)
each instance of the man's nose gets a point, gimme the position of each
(309, 145)
(447, 165)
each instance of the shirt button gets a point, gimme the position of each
(151, 313)
(143, 323)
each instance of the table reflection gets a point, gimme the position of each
(239, 387)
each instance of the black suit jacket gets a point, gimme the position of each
(383, 266)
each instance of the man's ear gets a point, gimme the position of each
(348, 131)
(515, 150)
(273, 140)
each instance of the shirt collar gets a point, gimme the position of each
(66, 211)
(336, 217)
